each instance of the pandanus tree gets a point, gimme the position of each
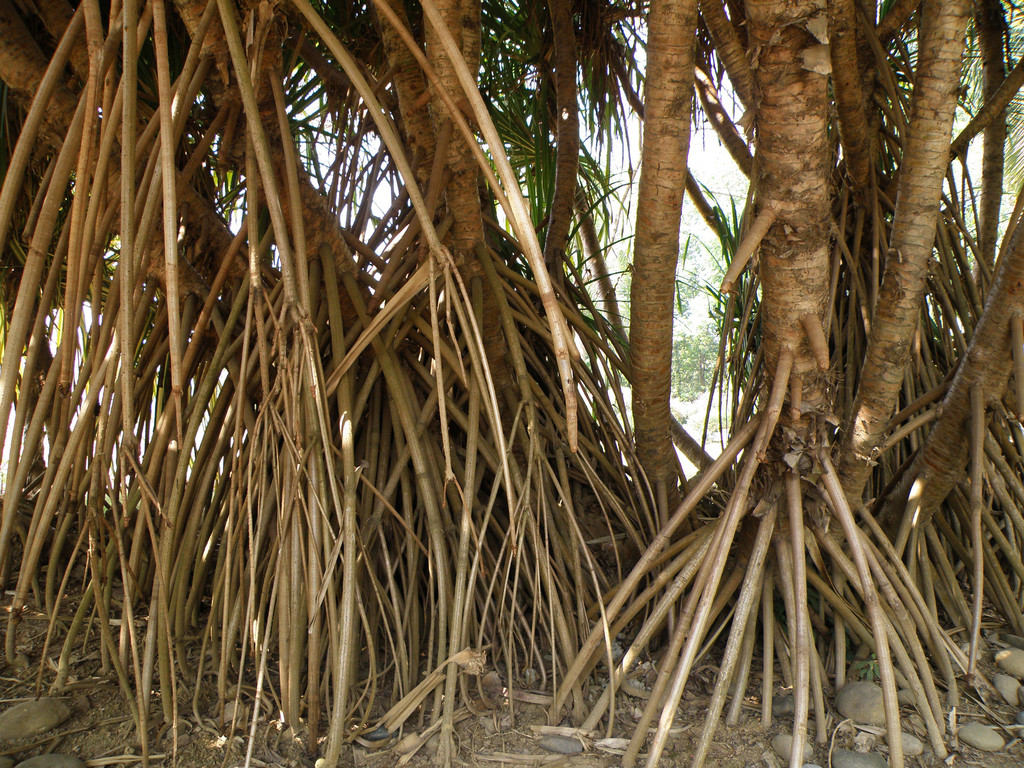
(303, 365)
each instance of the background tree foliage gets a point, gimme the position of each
(313, 358)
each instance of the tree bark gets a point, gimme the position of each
(321, 225)
(992, 108)
(793, 154)
(568, 122)
(991, 25)
(411, 89)
(22, 64)
(925, 159)
(846, 79)
(462, 194)
(943, 457)
(896, 18)
(730, 50)
(667, 105)
(56, 15)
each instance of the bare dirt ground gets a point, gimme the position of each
(101, 732)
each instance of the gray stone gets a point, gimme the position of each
(1020, 718)
(378, 734)
(862, 703)
(1011, 661)
(1008, 687)
(52, 761)
(563, 745)
(31, 718)
(844, 758)
(983, 737)
(782, 743)
(905, 697)
(1015, 640)
(912, 745)
(783, 705)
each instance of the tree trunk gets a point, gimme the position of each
(991, 26)
(793, 168)
(720, 120)
(22, 63)
(895, 18)
(846, 80)
(462, 194)
(411, 89)
(730, 50)
(668, 103)
(56, 15)
(942, 459)
(568, 132)
(992, 108)
(925, 159)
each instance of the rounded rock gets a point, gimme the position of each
(378, 734)
(31, 718)
(844, 758)
(563, 745)
(6, 762)
(1015, 640)
(1020, 718)
(983, 737)
(783, 705)
(1011, 661)
(782, 744)
(1008, 687)
(862, 703)
(847, 759)
(52, 761)
(911, 744)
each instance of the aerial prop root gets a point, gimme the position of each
(693, 621)
(900, 622)
(898, 609)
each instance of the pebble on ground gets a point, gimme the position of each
(983, 737)
(31, 718)
(862, 703)
(782, 743)
(52, 761)
(563, 745)
(1011, 661)
(844, 758)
